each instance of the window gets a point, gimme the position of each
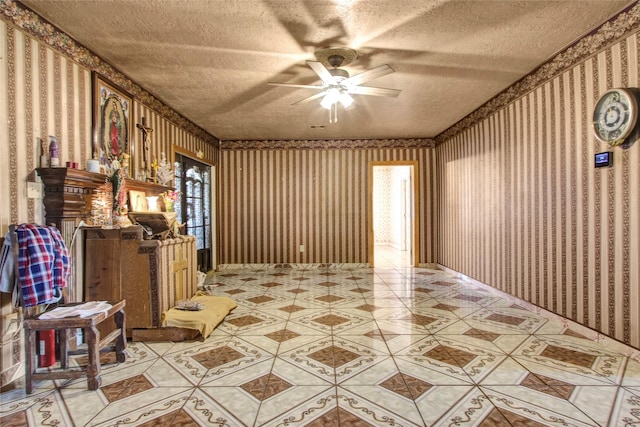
(193, 179)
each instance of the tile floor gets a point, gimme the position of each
(385, 256)
(363, 347)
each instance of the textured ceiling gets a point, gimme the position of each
(211, 60)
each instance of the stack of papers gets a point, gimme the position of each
(82, 310)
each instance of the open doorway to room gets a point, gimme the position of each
(194, 180)
(393, 227)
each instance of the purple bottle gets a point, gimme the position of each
(54, 152)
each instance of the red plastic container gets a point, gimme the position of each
(47, 348)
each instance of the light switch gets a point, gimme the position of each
(34, 190)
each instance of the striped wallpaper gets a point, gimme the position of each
(522, 208)
(511, 200)
(47, 93)
(50, 94)
(167, 137)
(274, 200)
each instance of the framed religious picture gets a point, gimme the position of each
(112, 123)
(138, 201)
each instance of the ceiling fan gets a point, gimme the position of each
(337, 86)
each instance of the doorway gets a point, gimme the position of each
(194, 208)
(393, 226)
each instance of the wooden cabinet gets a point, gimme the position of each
(115, 270)
(172, 272)
(150, 274)
(68, 197)
(118, 264)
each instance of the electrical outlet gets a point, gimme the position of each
(301, 248)
(34, 190)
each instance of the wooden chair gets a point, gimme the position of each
(115, 341)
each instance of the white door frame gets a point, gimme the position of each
(415, 214)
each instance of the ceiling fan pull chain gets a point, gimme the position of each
(333, 113)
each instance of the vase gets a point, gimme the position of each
(168, 205)
(54, 152)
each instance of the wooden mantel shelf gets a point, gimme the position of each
(57, 177)
(149, 188)
(68, 192)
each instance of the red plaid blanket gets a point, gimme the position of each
(43, 264)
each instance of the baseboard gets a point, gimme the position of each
(431, 265)
(343, 266)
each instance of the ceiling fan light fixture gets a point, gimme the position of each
(337, 86)
(346, 100)
(332, 96)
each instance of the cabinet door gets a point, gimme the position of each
(135, 287)
(102, 265)
(115, 271)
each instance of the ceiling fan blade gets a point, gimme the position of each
(375, 91)
(371, 74)
(295, 85)
(321, 71)
(310, 98)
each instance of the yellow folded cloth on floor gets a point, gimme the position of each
(214, 310)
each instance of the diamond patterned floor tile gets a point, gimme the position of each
(310, 407)
(409, 323)
(206, 410)
(571, 360)
(361, 339)
(631, 374)
(532, 406)
(149, 405)
(471, 408)
(177, 417)
(626, 410)
(126, 388)
(318, 347)
(364, 406)
(210, 360)
(243, 322)
(217, 357)
(330, 320)
(506, 321)
(41, 408)
(266, 386)
(331, 346)
(15, 419)
(428, 352)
